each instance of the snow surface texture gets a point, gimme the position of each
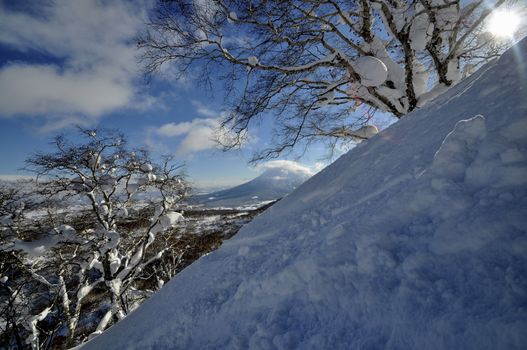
(415, 239)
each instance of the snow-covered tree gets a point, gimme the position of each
(25, 295)
(102, 254)
(322, 66)
(15, 200)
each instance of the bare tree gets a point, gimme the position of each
(25, 300)
(314, 63)
(15, 201)
(101, 255)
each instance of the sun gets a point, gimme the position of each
(503, 23)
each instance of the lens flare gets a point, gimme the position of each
(503, 23)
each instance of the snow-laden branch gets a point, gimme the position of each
(273, 46)
(103, 256)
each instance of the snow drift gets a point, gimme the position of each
(416, 239)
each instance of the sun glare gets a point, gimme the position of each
(503, 23)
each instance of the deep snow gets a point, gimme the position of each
(415, 239)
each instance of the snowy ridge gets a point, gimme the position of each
(415, 239)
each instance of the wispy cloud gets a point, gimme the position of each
(45, 89)
(283, 164)
(198, 134)
(203, 110)
(91, 67)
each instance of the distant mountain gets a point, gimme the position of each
(278, 179)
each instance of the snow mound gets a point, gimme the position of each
(170, 218)
(146, 168)
(253, 60)
(366, 132)
(372, 71)
(415, 239)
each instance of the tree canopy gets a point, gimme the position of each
(321, 67)
(126, 203)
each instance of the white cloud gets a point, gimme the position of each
(197, 135)
(204, 111)
(202, 134)
(44, 89)
(288, 165)
(93, 67)
(57, 123)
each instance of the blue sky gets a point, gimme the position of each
(65, 63)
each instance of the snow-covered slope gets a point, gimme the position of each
(277, 180)
(415, 239)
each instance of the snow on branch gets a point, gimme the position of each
(276, 47)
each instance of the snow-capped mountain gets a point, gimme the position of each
(278, 179)
(415, 239)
